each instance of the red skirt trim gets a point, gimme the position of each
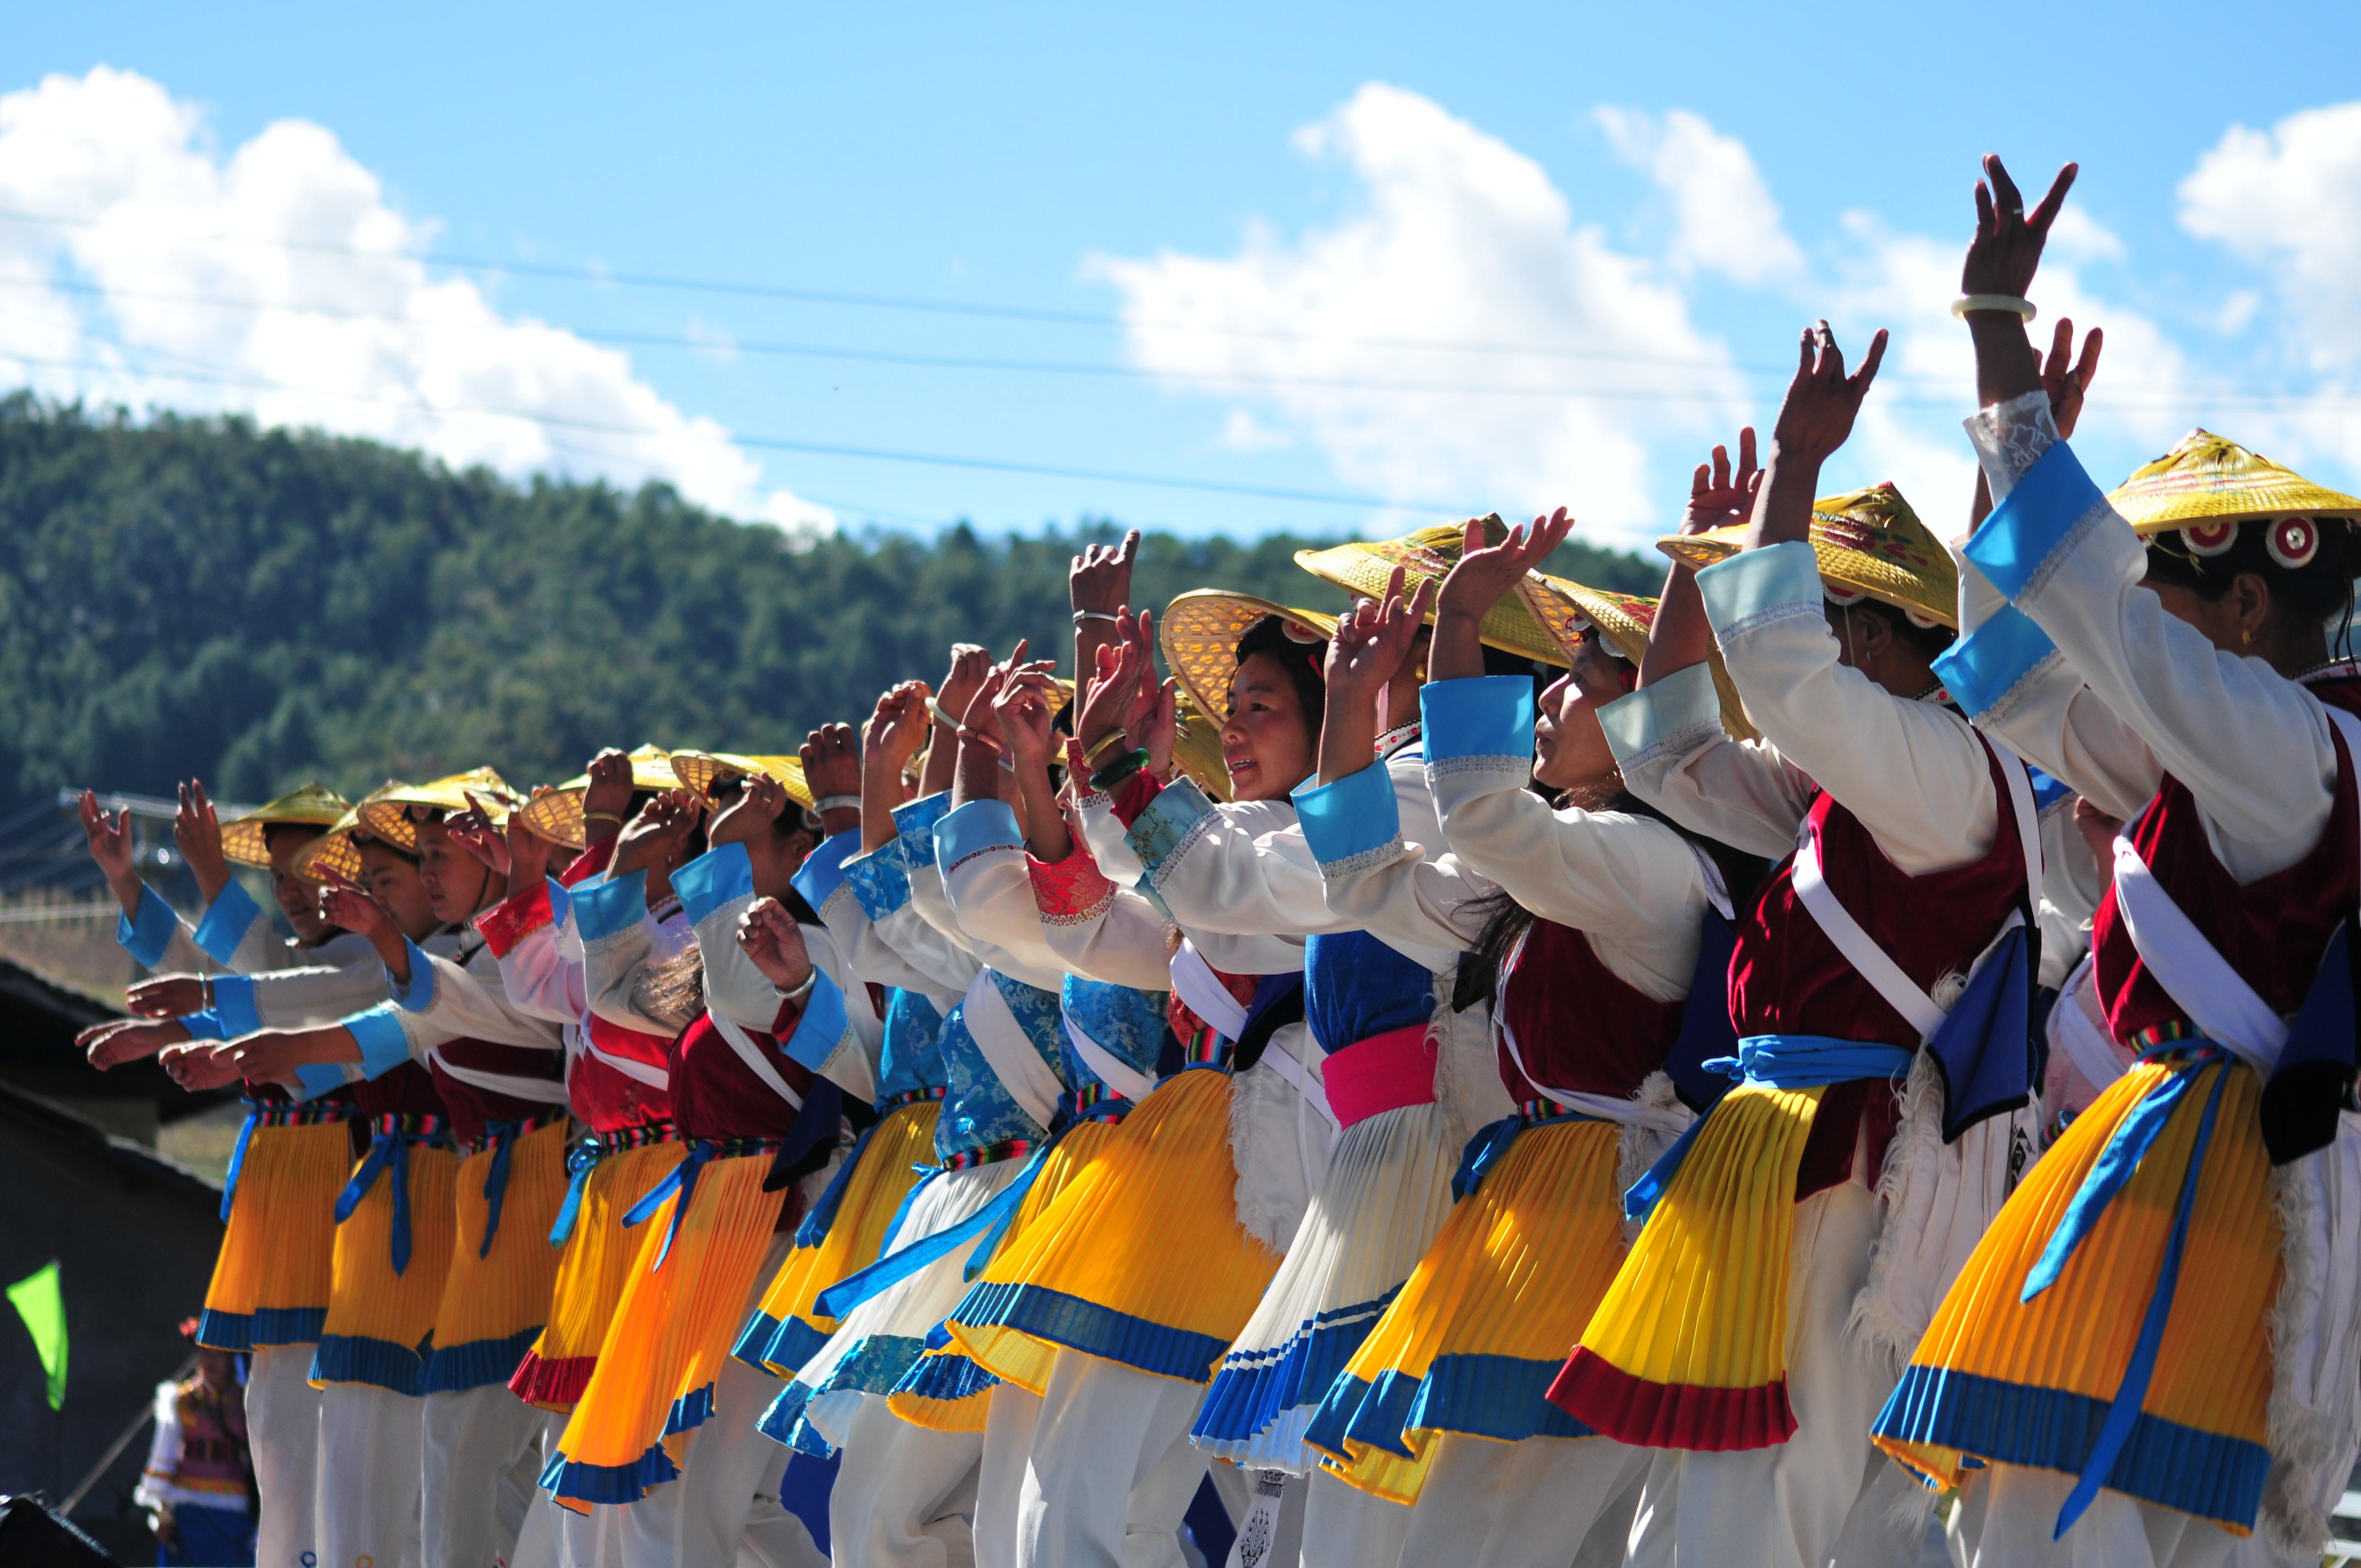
(1671, 1415)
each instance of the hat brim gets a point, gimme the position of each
(1200, 633)
(1366, 569)
(699, 772)
(1851, 570)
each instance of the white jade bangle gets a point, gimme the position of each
(836, 802)
(2023, 308)
(1082, 616)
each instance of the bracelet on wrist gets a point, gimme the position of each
(827, 803)
(2013, 304)
(1107, 745)
(800, 993)
(1114, 773)
(1082, 616)
(614, 816)
(942, 715)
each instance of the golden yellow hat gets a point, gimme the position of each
(699, 772)
(245, 839)
(336, 850)
(1514, 625)
(1574, 611)
(1201, 631)
(1197, 748)
(2206, 479)
(394, 814)
(556, 815)
(1868, 543)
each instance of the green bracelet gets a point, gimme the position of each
(1114, 773)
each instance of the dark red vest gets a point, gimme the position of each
(1577, 1024)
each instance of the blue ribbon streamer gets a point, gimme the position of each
(2134, 1136)
(580, 1161)
(1482, 1153)
(388, 1151)
(503, 1136)
(2123, 1413)
(237, 1157)
(890, 1270)
(815, 1228)
(681, 1179)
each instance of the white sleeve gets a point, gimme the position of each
(448, 1001)
(1668, 739)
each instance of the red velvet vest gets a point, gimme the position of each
(607, 1100)
(1577, 1022)
(716, 1095)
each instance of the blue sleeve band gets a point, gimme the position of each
(2026, 529)
(1756, 584)
(320, 1077)
(383, 1045)
(978, 826)
(1164, 825)
(561, 901)
(233, 1005)
(821, 1028)
(822, 871)
(419, 995)
(208, 1026)
(226, 921)
(715, 878)
(146, 934)
(915, 821)
(881, 882)
(1683, 703)
(605, 908)
(1983, 667)
(1352, 816)
(1490, 715)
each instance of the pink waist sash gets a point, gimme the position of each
(1383, 1072)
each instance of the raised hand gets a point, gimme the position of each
(1099, 579)
(831, 759)
(1822, 401)
(657, 834)
(970, 665)
(2006, 250)
(1485, 572)
(773, 943)
(201, 1065)
(1111, 695)
(1720, 496)
(609, 796)
(1025, 711)
(1373, 639)
(169, 996)
(2067, 381)
(475, 833)
(896, 730)
(197, 830)
(528, 851)
(345, 903)
(758, 806)
(110, 845)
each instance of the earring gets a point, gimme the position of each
(2247, 637)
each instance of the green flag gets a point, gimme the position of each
(42, 1305)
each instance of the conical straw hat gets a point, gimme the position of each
(699, 772)
(556, 815)
(1573, 612)
(1513, 625)
(394, 815)
(245, 839)
(1201, 631)
(335, 848)
(1866, 543)
(2208, 479)
(1197, 748)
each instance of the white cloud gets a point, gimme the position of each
(1725, 219)
(1458, 239)
(2290, 200)
(141, 300)
(1241, 432)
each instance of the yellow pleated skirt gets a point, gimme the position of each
(496, 1297)
(1687, 1349)
(380, 1324)
(671, 1332)
(1474, 1339)
(1141, 1260)
(947, 1390)
(275, 1269)
(2000, 1380)
(784, 1330)
(591, 1269)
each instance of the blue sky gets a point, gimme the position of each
(1438, 260)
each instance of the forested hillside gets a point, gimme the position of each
(184, 595)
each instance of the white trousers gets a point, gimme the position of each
(1112, 1471)
(2009, 1513)
(537, 1537)
(905, 1494)
(1345, 1527)
(372, 1453)
(726, 1498)
(282, 1432)
(1783, 1506)
(1008, 1429)
(483, 1470)
(1519, 1505)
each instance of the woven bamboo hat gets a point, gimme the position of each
(699, 772)
(1574, 611)
(338, 849)
(1197, 748)
(556, 815)
(1201, 631)
(1514, 625)
(394, 814)
(246, 839)
(1869, 544)
(2206, 486)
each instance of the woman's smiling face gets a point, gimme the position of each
(1267, 741)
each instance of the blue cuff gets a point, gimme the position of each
(321, 1077)
(1355, 815)
(146, 933)
(226, 921)
(1489, 716)
(822, 871)
(881, 881)
(207, 1025)
(561, 901)
(1986, 664)
(233, 1005)
(978, 826)
(611, 906)
(915, 821)
(821, 1028)
(1682, 704)
(1755, 587)
(419, 995)
(1158, 832)
(384, 1045)
(2026, 529)
(715, 878)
